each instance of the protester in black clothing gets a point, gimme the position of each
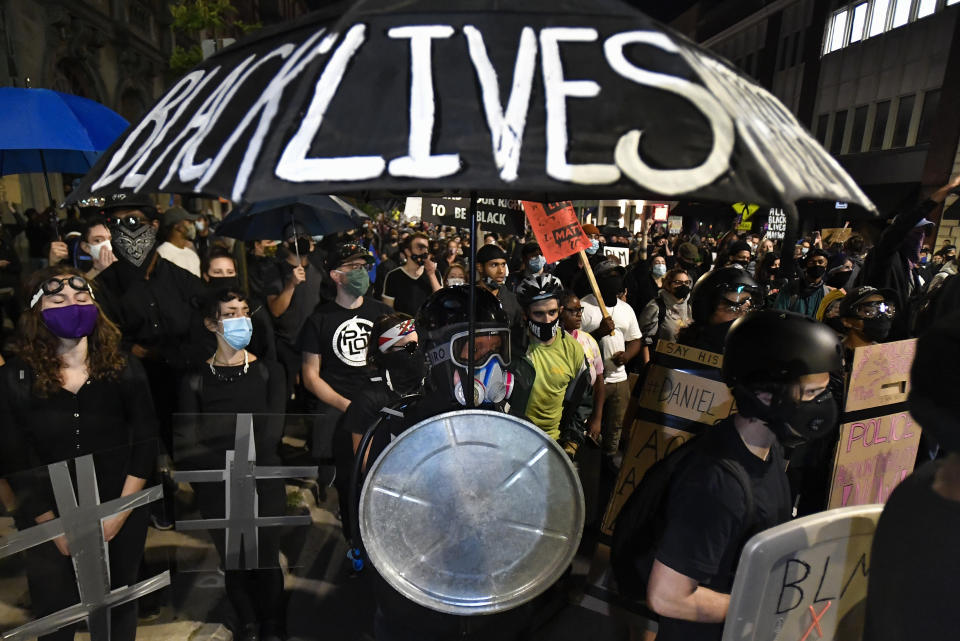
(10, 269)
(779, 366)
(71, 392)
(260, 265)
(293, 292)
(914, 560)
(690, 258)
(334, 347)
(768, 277)
(233, 381)
(643, 281)
(532, 263)
(718, 298)
(406, 287)
(892, 263)
(41, 231)
(492, 276)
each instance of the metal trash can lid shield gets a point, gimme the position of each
(472, 512)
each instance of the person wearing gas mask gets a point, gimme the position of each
(562, 374)
(406, 287)
(893, 261)
(804, 295)
(778, 365)
(619, 337)
(293, 290)
(179, 232)
(718, 298)
(668, 313)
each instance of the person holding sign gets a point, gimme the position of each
(915, 561)
(733, 484)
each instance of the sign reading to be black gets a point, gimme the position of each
(494, 214)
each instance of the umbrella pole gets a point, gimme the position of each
(46, 178)
(472, 305)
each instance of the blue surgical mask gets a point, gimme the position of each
(536, 264)
(237, 331)
(659, 271)
(594, 246)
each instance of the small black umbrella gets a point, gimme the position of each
(320, 216)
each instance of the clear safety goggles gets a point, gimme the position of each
(56, 285)
(488, 342)
(876, 309)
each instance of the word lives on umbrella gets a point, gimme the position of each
(278, 104)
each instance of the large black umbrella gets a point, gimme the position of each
(543, 98)
(320, 216)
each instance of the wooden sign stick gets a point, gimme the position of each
(593, 284)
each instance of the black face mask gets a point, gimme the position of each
(610, 288)
(406, 370)
(301, 247)
(877, 329)
(815, 272)
(420, 259)
(681, 291)
(773, 272)
(792, 422)
(223, 282)
(838, 279)
(543, 331)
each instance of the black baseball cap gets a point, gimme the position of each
(856, 296)
(130, 200)
(346, 252)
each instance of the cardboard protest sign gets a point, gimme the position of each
(556, 229)
(776, 224)
(805, 579)
(672, 406)
(835, 235)
(619, 254)
(674, 225)
(878, 439)
(494, 214)
(680, 356)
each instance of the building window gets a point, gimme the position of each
(797, 49)
(878, 22)
(931, 100)
(926, 8)
(859, 22)
(838, 29)
(822, 128)
(859, 129)
(902, 125)
(880, 125)
(839, 126)
(901, 13)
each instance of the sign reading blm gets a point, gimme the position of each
(805, 579)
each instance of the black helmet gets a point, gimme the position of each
(712, 285)
(768, 351)
(443, 328)
(534, 288)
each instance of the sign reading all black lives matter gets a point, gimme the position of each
(776, 224)
(498, 215)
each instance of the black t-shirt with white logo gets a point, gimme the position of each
(340, 336)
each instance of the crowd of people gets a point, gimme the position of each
(126, 315)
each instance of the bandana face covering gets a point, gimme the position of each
(134, 245)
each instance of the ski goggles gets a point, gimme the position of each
(876, 309)
(488, 343)
(56, 285)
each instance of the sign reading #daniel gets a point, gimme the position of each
(494, 214)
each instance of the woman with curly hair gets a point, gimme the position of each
(69, 391)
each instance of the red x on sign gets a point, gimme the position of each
(816, 622)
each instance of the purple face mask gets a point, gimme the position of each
(71, 321)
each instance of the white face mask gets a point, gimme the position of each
(96, 248)
(455, 281)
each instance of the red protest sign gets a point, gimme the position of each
(556, 228)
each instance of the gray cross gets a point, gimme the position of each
(242, 520)
(80, 523)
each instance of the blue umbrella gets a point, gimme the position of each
(44, 130)
(320, 216)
